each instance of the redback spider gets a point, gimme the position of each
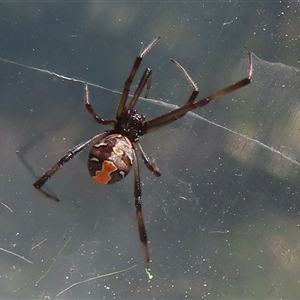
(114, 151)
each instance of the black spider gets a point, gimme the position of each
(114, 151)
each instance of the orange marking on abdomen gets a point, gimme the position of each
(118, 151)
(104, 176)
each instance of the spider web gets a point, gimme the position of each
(186, 186)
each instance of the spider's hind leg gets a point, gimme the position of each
(149, 162)
(139, 213)
(21, 153)
(68, 156)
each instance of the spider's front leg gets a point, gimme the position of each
(172, 116)
(91, 110)
(131, 76)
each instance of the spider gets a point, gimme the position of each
(114, 152)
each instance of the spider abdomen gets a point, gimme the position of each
(110, 160)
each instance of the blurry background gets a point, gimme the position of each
(223, 219)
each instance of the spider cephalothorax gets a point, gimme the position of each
(131, 124)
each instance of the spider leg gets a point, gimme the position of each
(139, 214)
(190, 81)
(92, 112)
(149, 163)
(132, 73)
(149, 82)
(190, 105)
(145, 80)
(71, 153)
